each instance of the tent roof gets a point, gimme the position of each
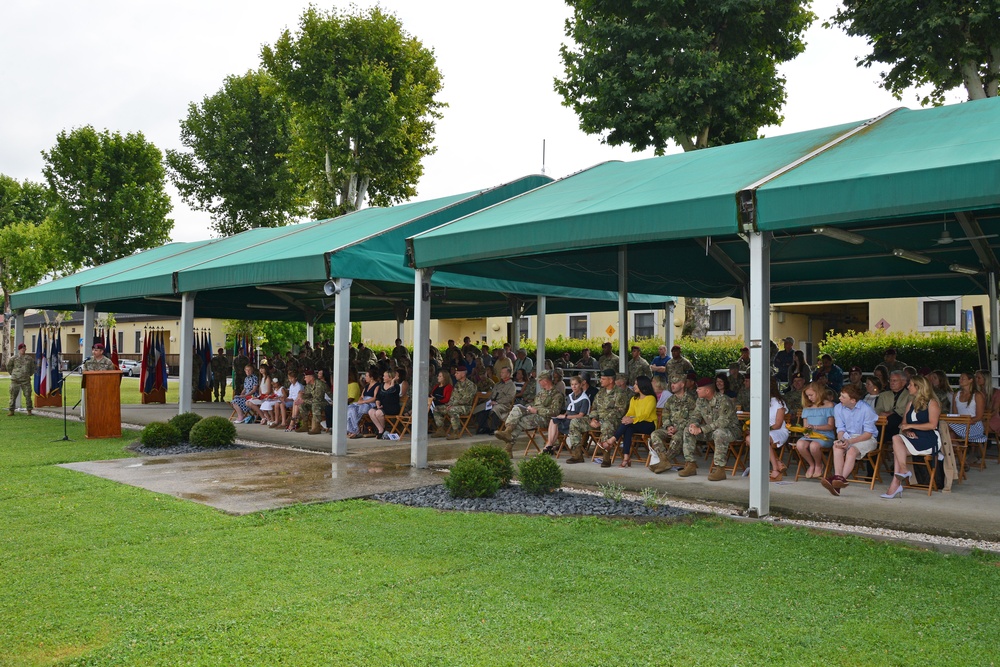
(895, 181)
(279, 273)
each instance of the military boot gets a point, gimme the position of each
(577, 454)
(440, 432)
(717, 475)
(502, 434)
(315, 429)
(664, 464)
(10, 413)
(453, 435)
(301, 428)
(690, 468)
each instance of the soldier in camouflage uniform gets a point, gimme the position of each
(677, 364)
(548, 403)
(606, 412)
(675, 419)
(98, 362)
(317, 405)
(459, 405)
(793, 397)
(608, 359)
(220, 375)
(637, 366)
(714, 419)
(22, 369)
(305, 401)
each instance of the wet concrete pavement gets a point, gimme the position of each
(261, 478)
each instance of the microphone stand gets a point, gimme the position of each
(62, 384)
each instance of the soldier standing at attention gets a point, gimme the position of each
(608, 359)
(714, 419)
(678, 364)
(637, 366)
(676, 417)
(22, 369)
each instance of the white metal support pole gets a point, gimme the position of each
(89, 319)
(341, 349)
(311, 332)
(746, 314)
(515, 324)
(760, 392)
(994, 328)
(185, 379)
(421, 366)
(540, 333)
(18, 339)
(623, 352)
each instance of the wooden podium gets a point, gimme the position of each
(103, 403)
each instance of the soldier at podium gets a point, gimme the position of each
(98, 362)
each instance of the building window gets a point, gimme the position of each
(138, 342)
(121, 341)
(578, 326)
(722, 321)
(643, 325)
(524, 332)
(938, 314)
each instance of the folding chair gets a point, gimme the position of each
(961, 446)
(467, 419)
(874, 460)
(532, 433)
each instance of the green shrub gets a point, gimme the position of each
(213, 432)
(949, 351)
(495, 458)
(160, 434)
(471, 478)
(539, 475)
(184, 422)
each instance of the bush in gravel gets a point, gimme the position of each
(471, 478)
(539, 475)
(160, 434)
(495, 458)
(213, 432)
(184, 422)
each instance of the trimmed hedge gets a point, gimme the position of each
(160, 434)
(951, 352)
(471, 478)
(495, 458)
(213, 432)
(539, 475)
(184, 422)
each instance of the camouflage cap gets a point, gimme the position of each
(675, 378)
(545, 375)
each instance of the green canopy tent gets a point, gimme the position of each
(856, 210)
(308, 272)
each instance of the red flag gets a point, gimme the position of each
(145, 361)
(114, 348)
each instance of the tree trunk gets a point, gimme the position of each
(973, 82)
(695, 318)
(994, 69)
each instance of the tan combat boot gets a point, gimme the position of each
(440, 432)
(453, 435)
(10, 413)
(664, 464)
(577, 455)
(315, 429)
(690, 468)
(717, 475)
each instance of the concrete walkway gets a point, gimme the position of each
(268, 477)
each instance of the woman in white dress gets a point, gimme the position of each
(776, 410)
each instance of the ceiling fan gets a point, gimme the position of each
(947, 238)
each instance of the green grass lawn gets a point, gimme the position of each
(129, 390)
(96, 573)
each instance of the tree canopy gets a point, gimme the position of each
(22, 202)
(945, 44)
(696, 72)
(236, 165)
(362, 93)
(108, 195)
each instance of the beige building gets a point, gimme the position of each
(808, 323)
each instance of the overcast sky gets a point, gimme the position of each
(135, 66)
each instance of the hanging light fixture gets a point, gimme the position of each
(911, 256)
(840, 235)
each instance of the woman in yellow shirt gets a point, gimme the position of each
(640, 418)
(353, 387)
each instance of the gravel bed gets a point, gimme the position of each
(513, 500)
(183, 448)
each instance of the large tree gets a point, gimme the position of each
(944, 44)
(695, 72)
(236, 166)
(362, 96)
(108, 194)
(28, 248)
